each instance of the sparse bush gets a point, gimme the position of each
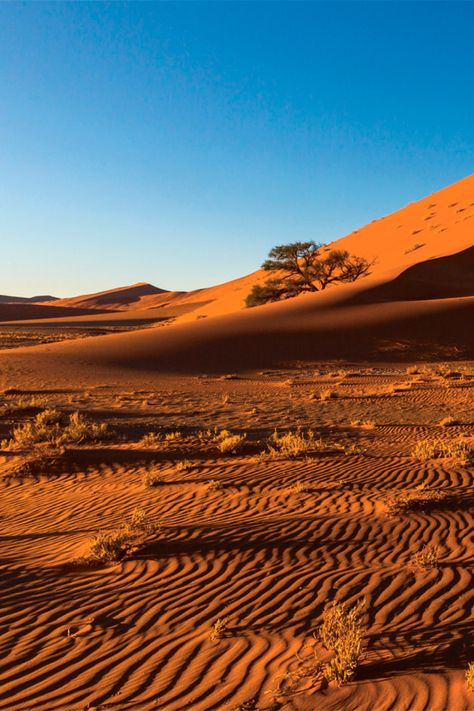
(439, 449)
(106, 547)
(151, 439)
(469, 676)
(214, 484)
(399, 502)
(152, 478)
(228, 443)
(293, 444)
(219, 628)
(427, 557)
(140, 521)
(173, 436)
(183, 466)
(55, 428)
(342, 632)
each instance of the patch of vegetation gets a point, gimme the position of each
(55, 428)
(399, 502)
(108, 547)
(342, 633)
(293, 444)
(443, 449)
(152, 478)
(426, 557)
(301, 267)
(219, 628)
(228, 443)
(469, 676)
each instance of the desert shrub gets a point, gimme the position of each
(426, 557)
(150, 439)
(228, 443)
(140, 521)
(214, 484)
(469, 676)
(399, 502)
(342, 633)
(219, 628)
(183, 466)
(53, 427)
(439, 448)
(107, 547)
(152, 478)
(292, 444)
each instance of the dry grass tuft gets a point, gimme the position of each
(469, 676)
(228, 443)
(151, 439)
(55, 428)
(420, 497)
(439, 448)
(342, 633)
(107, 547)
(293, 444)
(152, 478)
(219, 628)
(426, 557)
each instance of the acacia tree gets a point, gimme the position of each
(301, 267)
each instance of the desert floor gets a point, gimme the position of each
(261, 541)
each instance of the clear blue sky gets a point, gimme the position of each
(177, 142)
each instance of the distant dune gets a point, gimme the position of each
(417, 303)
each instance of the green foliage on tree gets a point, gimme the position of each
(302, 267)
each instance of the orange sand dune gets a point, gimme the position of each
(125, 297)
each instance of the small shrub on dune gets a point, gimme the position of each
(342, 633)
(107, 547)
(228, 443)
(426, 557)
(292, 444)
(183, 466)
(140, 521)
(152, 478)
(398, 502)
(55, 428)
(439, 449)
(218, 629)
(469, 676)
(150, 439)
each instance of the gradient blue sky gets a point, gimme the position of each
(177, 142)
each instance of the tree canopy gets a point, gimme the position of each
(301, 266)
